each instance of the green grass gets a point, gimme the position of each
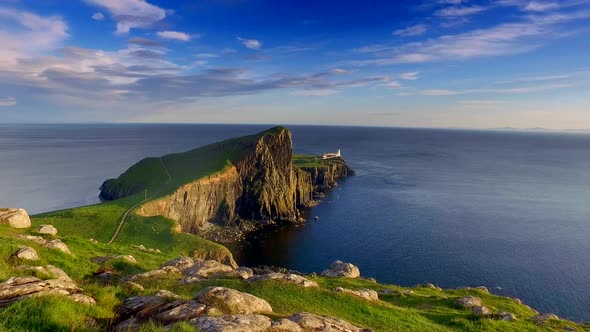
(301, 160)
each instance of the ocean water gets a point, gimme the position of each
(507, 210)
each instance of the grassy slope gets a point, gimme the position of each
(425, 310)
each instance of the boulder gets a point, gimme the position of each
(231, 301)
(103, 259)
(468, 301)
(47, 229)
(167, 294)
(84, 299)
(312, 322)
(241, 272)
(289, 278)
(133, 286)
(284, 325)
(428, 285)
(181, 263)
(541, 318)
(207, 268)
(184, 311)
(163, 272)
(341, 269)
(58, 245)
(190, 280)
(57, 273)
(505, 316)
(481, 311)
(18, 288)
(140, 305)
(233, 323)
(367, 294)
(26, 253)
(15, 218)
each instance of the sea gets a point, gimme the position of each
(504, 209)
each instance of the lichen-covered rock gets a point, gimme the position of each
(289, 278)
(26, 253)
(541, 318)
(367, 294)
(481, 311)
(37, 239)
(18, 288)
(15, 218)
(185, 311)
(468, 301)
(341, 269)
(58, 245)
(163, 272)
(104, 259)
(231, 301)
(181, 263)
(140, 305)
(505, 316)
(284, 325)
(47, 229)
(241, 272)
(167, 294)
(133, 286)
(205, 269)
(57, 273)
(233, 323)
(312, 322)
(84, 299)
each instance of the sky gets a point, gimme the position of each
(439, 63)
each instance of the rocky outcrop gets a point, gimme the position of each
(15, 218)
(311, 322)
(367, 294)
(260, 184)
(26, 253)
(19, 288)
(205, 269)
(47, 229)
(341, 269)
(468, 301)
(231, 301)
(233, 323)
(288, 278)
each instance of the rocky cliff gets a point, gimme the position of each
(259, 183)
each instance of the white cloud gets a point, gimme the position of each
(411, 76)
(459, 11)
(8, 101)
(251, 43)
(414, 30)
(98, 16)
(176, 35)
(207, 55)
(393, 85)
(131, 14)
(314, 93)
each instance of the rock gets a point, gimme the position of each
(206, 268)
(190, 280)
(517, 300)
(131, 324)
(57, 273)
(163, 272)
(15, 218)
(103, 259)
(184, 311)
(181, 263)
(58, 245)
(468, 301)
(84, 299)
(341, 269)
(47, 229)
(27, 253)
(91, 240)
(289, 278)
(37, 239)
(480, 311)
(241, 272)
(483, 289)
(427, 285)
(18, 288)
(538, 319)
(284, 325)
(368, 294)
(311, 322)
(133, 286)
(231, 301)
(140, 305)
(233, 323)
(505, 316)
(167, 294)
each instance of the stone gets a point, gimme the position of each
(18, 288)
(241, 272)
(15, 218)
(57, 273)
(37, 239)
(167, 294)
(233, 323)
(231, 301)
(181, 263)
(480, 311)
(207, 268)
(140, 305)
(58, 245)
(26, 253)
(428, 285)
(289, 278)
(285, 325)
(367, 294)
(133, 286)
(103, 259)
(190, 280)
(468, 301)
(163, 272)
(483, 289)
(541, 318)
(505, 316)
(312, 322)
(341, 269)
(184, 311)
(84, 299)
(47, 229)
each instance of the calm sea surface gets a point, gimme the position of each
(507, 210)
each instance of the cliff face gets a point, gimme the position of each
(262, 185)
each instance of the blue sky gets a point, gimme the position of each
(442, 63)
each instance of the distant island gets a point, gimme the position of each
(148, 257)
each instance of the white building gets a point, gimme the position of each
(331, 155)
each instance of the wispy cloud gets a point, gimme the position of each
(314, 93)
(506, 90)
(411, 76)
(7, 101)
(459, 11)
(438, 92)
(98, 16)
(414, 30)
(131, 14)
(175, 35)
(253, 44)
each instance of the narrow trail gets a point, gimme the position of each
(122, 222)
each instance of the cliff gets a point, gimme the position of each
(257, 178)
